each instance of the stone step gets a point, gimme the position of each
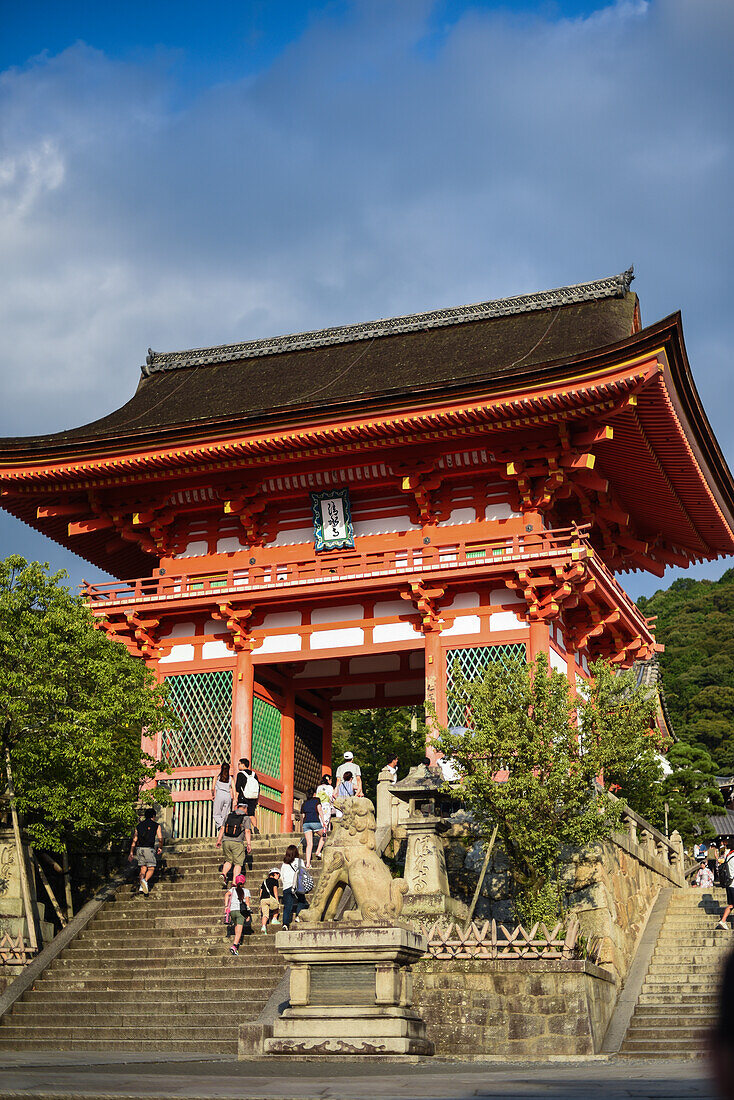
(184, 1046)
(633, 1048)
(140, 1036)
(176, 968)
(662, 1012)
(174, 993)
(672, 1035)
(662, 986)
(132, 1013)
(677, 999)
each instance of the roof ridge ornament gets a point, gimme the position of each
(615, 286)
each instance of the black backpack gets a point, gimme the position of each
(233, 825)
(725, 877)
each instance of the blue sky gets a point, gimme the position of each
(182, 174)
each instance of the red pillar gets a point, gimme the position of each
(326, 718)
(539, 639)
(287, 755)
(435, 677)
(242, 696)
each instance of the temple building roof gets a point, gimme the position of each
(424, 352)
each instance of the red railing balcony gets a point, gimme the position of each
(446, 556)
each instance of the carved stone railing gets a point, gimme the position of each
(642, 840)
(491, 940)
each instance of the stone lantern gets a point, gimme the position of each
(428, 898)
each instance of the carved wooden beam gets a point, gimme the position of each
(427, 601)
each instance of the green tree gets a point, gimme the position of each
(73, 705)
(530, 759)
(695, 623)
(691, 791)
(376, 735)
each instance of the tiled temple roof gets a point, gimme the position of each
(616, 286)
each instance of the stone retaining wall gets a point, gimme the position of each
(520, 1008)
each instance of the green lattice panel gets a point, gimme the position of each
(203, 702)
(473, 661)
(270, 792)
(265, 738)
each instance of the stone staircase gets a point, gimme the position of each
(156, 973)
(677, 1004)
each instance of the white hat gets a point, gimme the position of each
(349, 756)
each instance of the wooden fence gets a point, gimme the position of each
(495, 941)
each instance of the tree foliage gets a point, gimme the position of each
(377, 734)
(695, 623)
(530, 758)
(73, 705)
(691, 791)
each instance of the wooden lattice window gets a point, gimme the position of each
(265, 738)
(203, 702)
(307, 764)
(473, 662)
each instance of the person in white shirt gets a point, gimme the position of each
(293, 900)
(392, 767)
(350, 766)
(325, 794)
(239, 911)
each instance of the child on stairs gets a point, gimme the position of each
(237, 911)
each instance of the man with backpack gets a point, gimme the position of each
(146, 844)
(234, 840)
(246, 789)
(726, 879)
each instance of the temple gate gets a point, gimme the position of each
(329, 520)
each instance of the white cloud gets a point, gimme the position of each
(362, 175)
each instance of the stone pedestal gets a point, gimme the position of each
(350, 992)
(428, 898)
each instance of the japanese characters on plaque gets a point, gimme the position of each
(332, 520)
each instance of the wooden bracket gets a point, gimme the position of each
(240, 623)
(249, 509)
(427, 602)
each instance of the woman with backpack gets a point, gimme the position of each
(237, 911)
(246, 790)
(294, 899)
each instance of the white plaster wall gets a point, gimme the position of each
(280, 643)
(282, 618)
(392, 608)
(394, 632)
(180, 630)
(295, 537)
(331, 639)
(556, 661)
(464, 624)
(464, 599)
(212, 650)
(505, 620)
(501, 510)
(459, 515)
(229, 545)
(194, 550)
(178, 653)
(344, 614)
(389, 525)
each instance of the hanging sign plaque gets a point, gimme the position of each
(332, 520)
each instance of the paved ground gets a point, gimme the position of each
(165, 1077)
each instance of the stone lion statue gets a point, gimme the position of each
(350, 859)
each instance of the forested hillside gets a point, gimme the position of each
(695, 623)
